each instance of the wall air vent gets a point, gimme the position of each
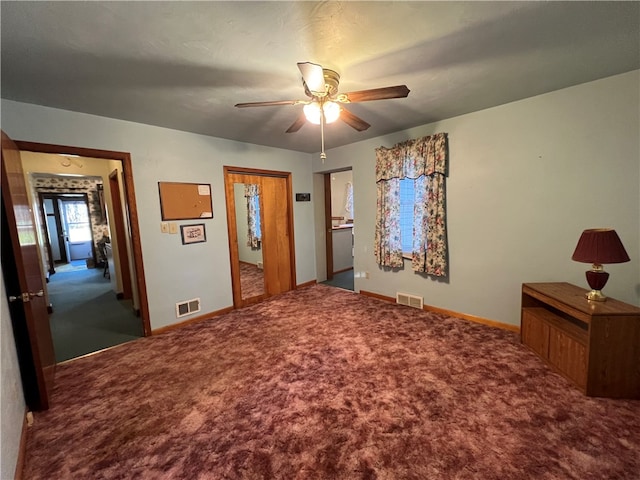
(409, 300)
(188, 307)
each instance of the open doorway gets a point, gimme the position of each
(68, 228)
(85, 233)
(339, 224)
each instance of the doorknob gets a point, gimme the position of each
(25, 297)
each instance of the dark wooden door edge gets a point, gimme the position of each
(327, 225)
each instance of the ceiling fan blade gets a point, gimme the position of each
(297, 125)
(398, 91)
(268, 104)
(313, 76)
(353, 121)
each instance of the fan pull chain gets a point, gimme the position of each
(323, 156)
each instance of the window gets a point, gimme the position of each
(410, 216)
(407, 202)
(76, 214)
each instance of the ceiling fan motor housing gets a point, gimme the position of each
(331, 82)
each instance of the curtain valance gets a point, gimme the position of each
(413, 158)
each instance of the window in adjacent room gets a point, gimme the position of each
(76, 215)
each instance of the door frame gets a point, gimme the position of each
(131, 206)
(229, 171)
(328, 225)
(120, 231)
(47, 237)
(63, 244)
(328, 220)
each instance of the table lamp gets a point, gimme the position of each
(598, 246)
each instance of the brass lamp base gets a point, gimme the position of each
(596, 296)
(597, 279)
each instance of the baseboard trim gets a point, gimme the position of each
(22, 448)
(464, 316)
(91, 354)
(343, 270)
(307, 284)
(199, 318)
(378, 296)
(474, 318)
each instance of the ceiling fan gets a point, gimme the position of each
(325, 104)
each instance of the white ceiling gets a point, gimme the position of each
(184, 65)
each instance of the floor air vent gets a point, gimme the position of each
(409, 300)
(188, 307)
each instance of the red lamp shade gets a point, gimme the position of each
(598, 246)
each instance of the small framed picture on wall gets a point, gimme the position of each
(193, 233)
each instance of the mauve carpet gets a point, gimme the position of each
(322, 383)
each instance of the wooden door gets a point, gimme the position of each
(276, 212)
(24, 282)
(276, 235)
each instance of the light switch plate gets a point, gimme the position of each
(164, 227)
(173, 227)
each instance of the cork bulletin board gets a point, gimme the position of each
(185, 201)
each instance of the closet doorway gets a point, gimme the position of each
(260, 228)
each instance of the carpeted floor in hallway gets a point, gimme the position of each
(87, 316)
(342, 280)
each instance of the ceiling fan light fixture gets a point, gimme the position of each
(312, 112)
(331, 112)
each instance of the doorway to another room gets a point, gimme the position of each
(339, 225)
(68, 226)
(92, 268)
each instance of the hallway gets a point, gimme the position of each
(87, 316)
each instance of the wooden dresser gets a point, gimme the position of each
(596, 345)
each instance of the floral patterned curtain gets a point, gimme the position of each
(348, 202)
(425, 160)
(252, 194)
